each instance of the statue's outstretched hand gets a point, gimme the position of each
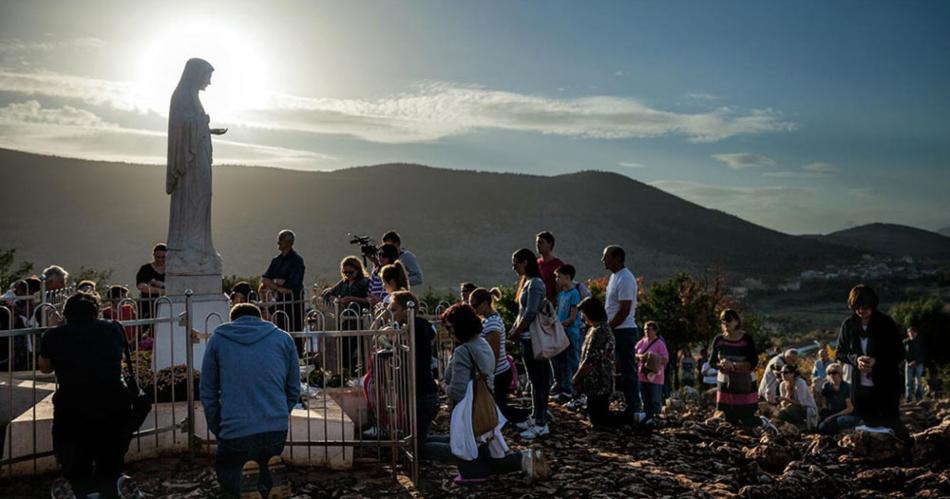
(218, 131)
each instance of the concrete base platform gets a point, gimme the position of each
(319, 424)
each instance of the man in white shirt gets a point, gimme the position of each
(621, 305)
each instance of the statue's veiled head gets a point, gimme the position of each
(197, 74)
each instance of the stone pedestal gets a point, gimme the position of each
(171, 341)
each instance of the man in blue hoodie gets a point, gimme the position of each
(250, 381)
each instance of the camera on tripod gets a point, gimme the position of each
(367, 245)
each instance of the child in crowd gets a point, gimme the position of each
(565, 364)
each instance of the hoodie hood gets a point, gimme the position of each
(245, 330)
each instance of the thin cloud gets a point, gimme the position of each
(71, 132)
(821, 168)
(702, 96)
(743, 160)
(120, 95)
(434, 111)
(631, 164)
(811, 170)
(31, 112)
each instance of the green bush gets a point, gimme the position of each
(931, 317)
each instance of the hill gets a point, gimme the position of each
(463, 225)
(944, 231)
(893, 239)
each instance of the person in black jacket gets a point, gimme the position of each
(870, 342)
(91, 402)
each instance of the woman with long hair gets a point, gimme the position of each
(493, 331)
(531, 299)
(474, 355)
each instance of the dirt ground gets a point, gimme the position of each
(689, 456)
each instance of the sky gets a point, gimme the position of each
(804, 117)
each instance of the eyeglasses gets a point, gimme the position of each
(832, 373)
(348, 272)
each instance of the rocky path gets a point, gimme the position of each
(689, 457)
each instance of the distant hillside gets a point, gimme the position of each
(944, 231)
(463, 225)
(892, 239)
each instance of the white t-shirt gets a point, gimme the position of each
(622, 286)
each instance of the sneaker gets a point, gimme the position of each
(579, 403)
(61, 489)
(250, 479)
(281, 488)
(374, 432)
(128, 489)
(535, 432)
(524, 425)
(563, 398)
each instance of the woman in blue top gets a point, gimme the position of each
(530, 298)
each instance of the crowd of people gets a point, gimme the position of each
(608, 350)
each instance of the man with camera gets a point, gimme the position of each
(407, 258)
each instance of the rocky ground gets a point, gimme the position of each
(691, 455)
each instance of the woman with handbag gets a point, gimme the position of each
(531, 300)
(734, 354)
(86, 354)
(652, 356)
(493, 331)
(473, 361)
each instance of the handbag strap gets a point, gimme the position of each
(478, 372)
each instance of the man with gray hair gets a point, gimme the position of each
(284, 277)
(769, 386)
(55, 277)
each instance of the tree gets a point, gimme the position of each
(686, 308)
(10, 270)
(931, 317)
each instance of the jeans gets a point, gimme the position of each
(232, 453)
(427, 408)
(652, 394)
(484, 466)
(626, 340)
(502, 387)
(830, 426)
(539, 372)
(914, 378)
(567, 362)
(78, 445)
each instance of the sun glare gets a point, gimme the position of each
(239, 80)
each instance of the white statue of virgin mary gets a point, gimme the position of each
(188, 179)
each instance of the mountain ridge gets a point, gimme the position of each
(462, 224)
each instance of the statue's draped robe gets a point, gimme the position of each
(188, 180)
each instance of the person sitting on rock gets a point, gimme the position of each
(797, 406)
(837, 412)
(768, 386)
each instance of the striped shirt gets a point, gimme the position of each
(376, 286)
(493, 324)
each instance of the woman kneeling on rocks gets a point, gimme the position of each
(474, 354)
